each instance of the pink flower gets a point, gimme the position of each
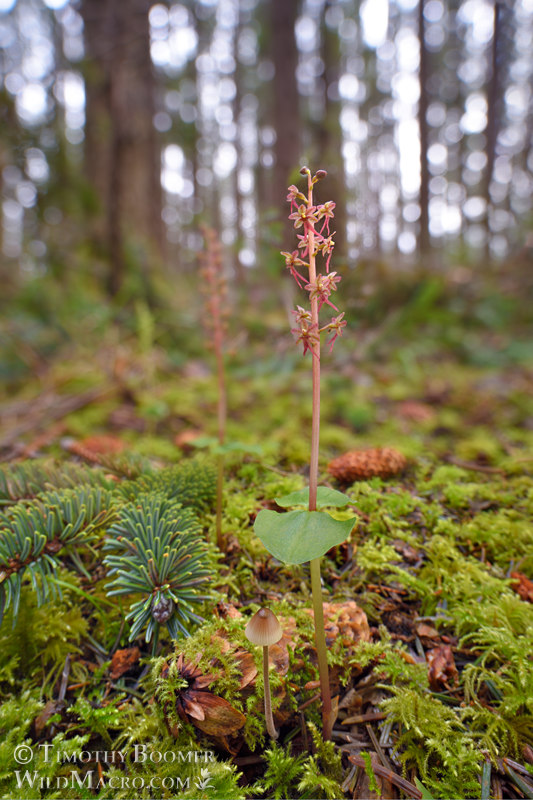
(294, 195)
(336, 325)
(301, 315)
(326, 248)
(311, 243)
(303, 244)
(304, 215)
(306, 332)
(325, 212)
(322, 287)
(292, 260)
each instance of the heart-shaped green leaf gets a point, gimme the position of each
(299, 536)
(324, 497)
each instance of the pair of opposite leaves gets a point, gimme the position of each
(298, 536)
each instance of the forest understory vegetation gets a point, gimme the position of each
(109, 432)
(172, 468)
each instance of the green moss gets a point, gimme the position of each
(16, 716)
(33, 649)
(89, 420)
(505, 537)
(481, 444)
(468, 529)
(435, 740)
(155, 447)
(375, 558)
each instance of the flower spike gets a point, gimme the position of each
(313, 242)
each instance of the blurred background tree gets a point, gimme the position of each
(126, 123)
(122, 148)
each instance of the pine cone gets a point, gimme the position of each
(346, 620)
(185, 689)
(360, 465)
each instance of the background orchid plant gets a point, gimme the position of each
(216, 313)
(298, 536)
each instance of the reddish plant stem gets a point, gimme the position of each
(222, 413)
(214, 288)
(315, 428)
(316, 588)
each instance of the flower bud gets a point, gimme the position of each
(162, 610)
(321, 174)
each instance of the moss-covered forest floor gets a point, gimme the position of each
(429, 603)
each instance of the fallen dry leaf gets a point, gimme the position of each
(93, 447)
(227, 610)
(383, 772)
(382, 777)
(52, 707)
(406, 551)
(441, 667)
(427, 631)
(186, 438)
(522, 586)
(247, 667)
(122, 661)
(219, 718)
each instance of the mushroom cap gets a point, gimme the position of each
(263, 629)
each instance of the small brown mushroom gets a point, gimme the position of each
(264, 629)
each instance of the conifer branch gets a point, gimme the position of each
(156, 551)
(192, 484)
(36, 536)
(28, 479)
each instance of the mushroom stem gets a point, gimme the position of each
(273, 733)
(264, 629)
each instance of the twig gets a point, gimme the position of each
(458, 462)
(358, 718)
(347, 783)
(278, 471)
(57, 408)
(403, 784)
(127, 690)
(244, 761)
(64, 679)
(304, 732)
(309, 702)
(383, 758)
(515, 766)
(525, 786)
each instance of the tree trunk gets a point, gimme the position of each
(121, 148)
(330, 139)
(423, 234)
(493, 114)
(286, 99)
